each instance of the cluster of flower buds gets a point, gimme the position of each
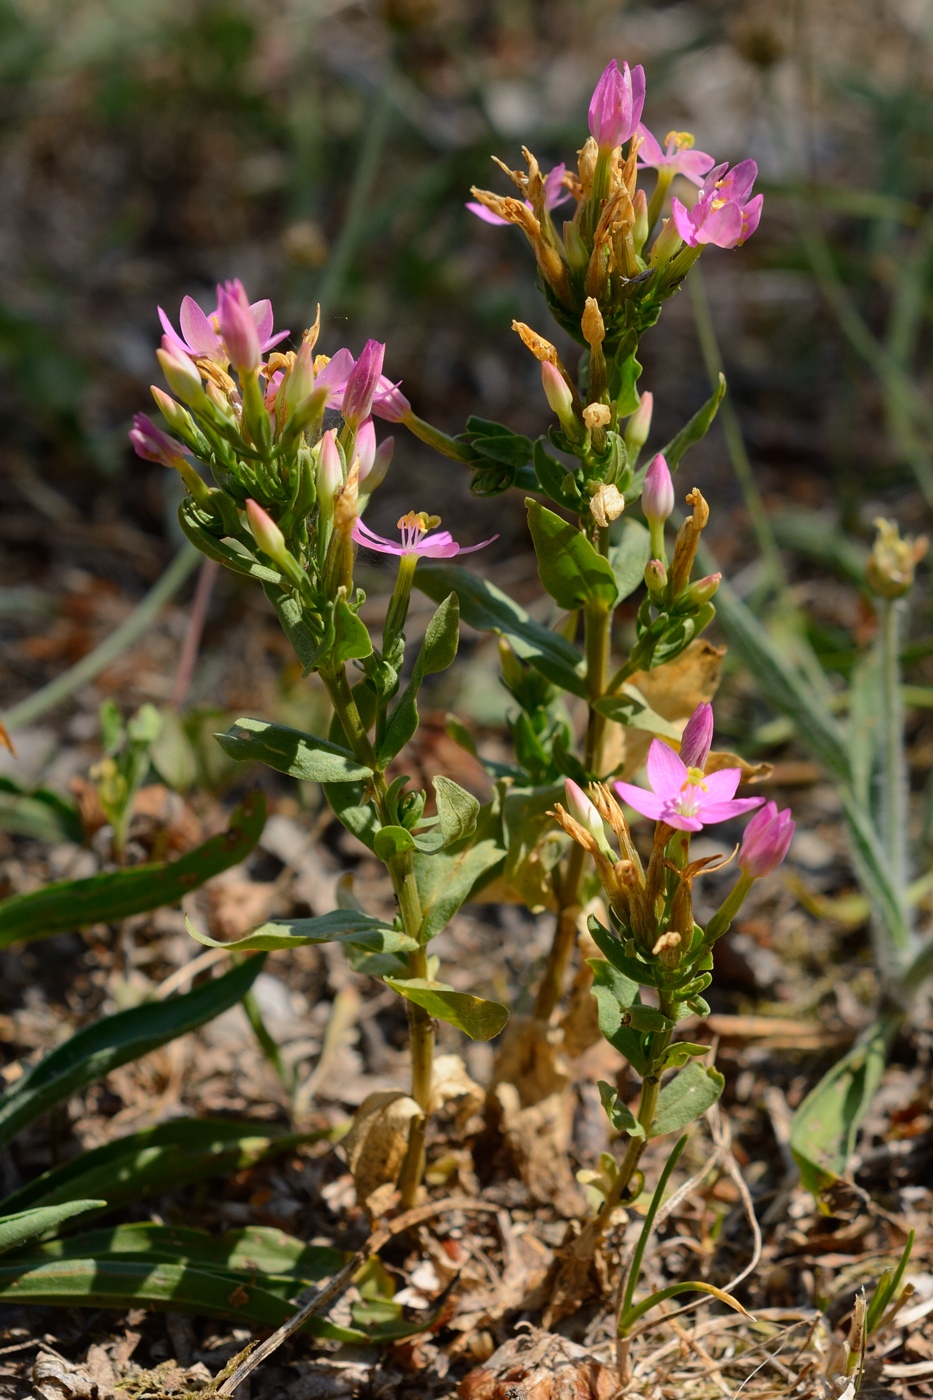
(607, 250)
(893, 560)
(652, 905)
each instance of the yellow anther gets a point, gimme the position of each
(682, 140)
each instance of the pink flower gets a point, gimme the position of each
(677, 155)
(362, 383)
(334, 376)
(697, 738)
(416, 538)
(766, 841)
(555, 194)
(616, 104)
(152, 444)
(238, 328)
(683, 797)
(200, 334)
(389, 402)
(723, 213)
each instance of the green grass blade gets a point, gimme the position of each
(637, 1258)
(25, 1225)
(73, 904)
(159, 1159)
(113, 1041)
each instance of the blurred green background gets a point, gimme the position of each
(323, 150)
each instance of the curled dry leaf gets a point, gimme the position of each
(673, 690)
(543, 1366)
(376, 1143)
(453, 1088)
(751, 772)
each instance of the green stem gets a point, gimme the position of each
(597, 627)
(658, 196)
(721, 921)
(894, 767)
(397, 610)
(401, 870)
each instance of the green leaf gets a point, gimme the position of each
(73, 904)
(571, 569)
(393, 841)
(688, 1095)
(476, 1017)
(290, 751)
(27, 1224)
(346, 801)
(826, 1124)
(452, 877)
(347, 926)
(697, 428)
(114, 1040)
(619, 1114)
(456, 808)
(629, 557)
(158, 1159)
(628, 374)
(441, 638)
(38, 813)
(307, 634)
(555, 479)
(631, 968)
(254, 1249)
(498, 442)
(486, 608)
(680, 1052)
(629, 707)
(351, 639)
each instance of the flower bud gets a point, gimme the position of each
(580, 807)
(329, 471)
(591, 323)
(665, 245)
(638, 425)
(893, 560)
(560, 397)
(702, 591)
(237, 327)
(362, 384)
(181, 373)
(265, 531)
(657, 497)
(577, 253)
(655, 577)
(178, 418)
(365, 447)
(150, 443)
(766, 841)
(381, 463)
(697, 738)
(389, 401)
(300, 381)
(616, 105)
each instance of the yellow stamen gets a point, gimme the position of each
(683, 140)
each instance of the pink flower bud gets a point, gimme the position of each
(362, 383)
(366, 447)
(176, 417)
(616, 104)
(389, 401)
(702, 591)
(265, 531)
(641, 229)
(558, 394)
(766, 841)
(237, 327)
(638, 425)
(666, 244)
(329, 471)
(150, 443)
(697, 738)
(381, 464)
(580, 807)
(657, 497)
(300, 382)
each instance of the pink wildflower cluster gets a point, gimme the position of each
(725, 212)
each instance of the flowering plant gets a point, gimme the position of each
(285, 504)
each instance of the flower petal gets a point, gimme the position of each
(647, 803)
(715, 812)
(481, 212)
(471, 548)
(681, 823)
(693, 165)
(722, 226)
(369, 540)
(722, 785)
(649, 152)
(666, 771)
(684, 223)
(200, 335)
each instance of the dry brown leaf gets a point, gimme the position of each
(673, 690)
(376, 1143)
(452, 1086)
(751, 772)
(538, 1138)
(529, 1060)
(5, 739)
(540, 1366)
